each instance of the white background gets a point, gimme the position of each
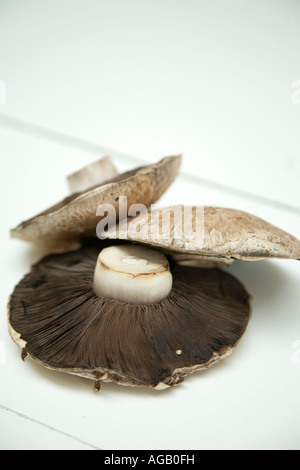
(141, 80)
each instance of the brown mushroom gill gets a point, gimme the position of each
(60, 322)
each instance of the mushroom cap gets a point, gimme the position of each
(223, 233)
(198, 261)
(74, 218)
(58, 320)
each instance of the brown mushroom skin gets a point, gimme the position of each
(63, 226)
(227, 234)
(58, 320)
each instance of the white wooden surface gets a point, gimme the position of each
(213, 81)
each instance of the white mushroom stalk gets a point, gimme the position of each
(132, 274)
(94, 174)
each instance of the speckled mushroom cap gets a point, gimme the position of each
(221, 233)
(58, 320)
(64, 225)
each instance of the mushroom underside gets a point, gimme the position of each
(59, 321)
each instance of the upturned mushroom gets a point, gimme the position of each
(124, 313)
(63, 226)
(138, 308)
(208, 235)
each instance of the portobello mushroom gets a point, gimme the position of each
(66, 224)
(127, 315)
(212, 234)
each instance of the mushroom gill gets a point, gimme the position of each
(57, 319)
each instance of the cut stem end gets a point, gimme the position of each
(132, 274)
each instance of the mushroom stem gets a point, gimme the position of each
(132, 274)
(94, 174)
(97, 386)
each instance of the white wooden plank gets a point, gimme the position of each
(18, 432)
(211, 80)
(249, 401)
